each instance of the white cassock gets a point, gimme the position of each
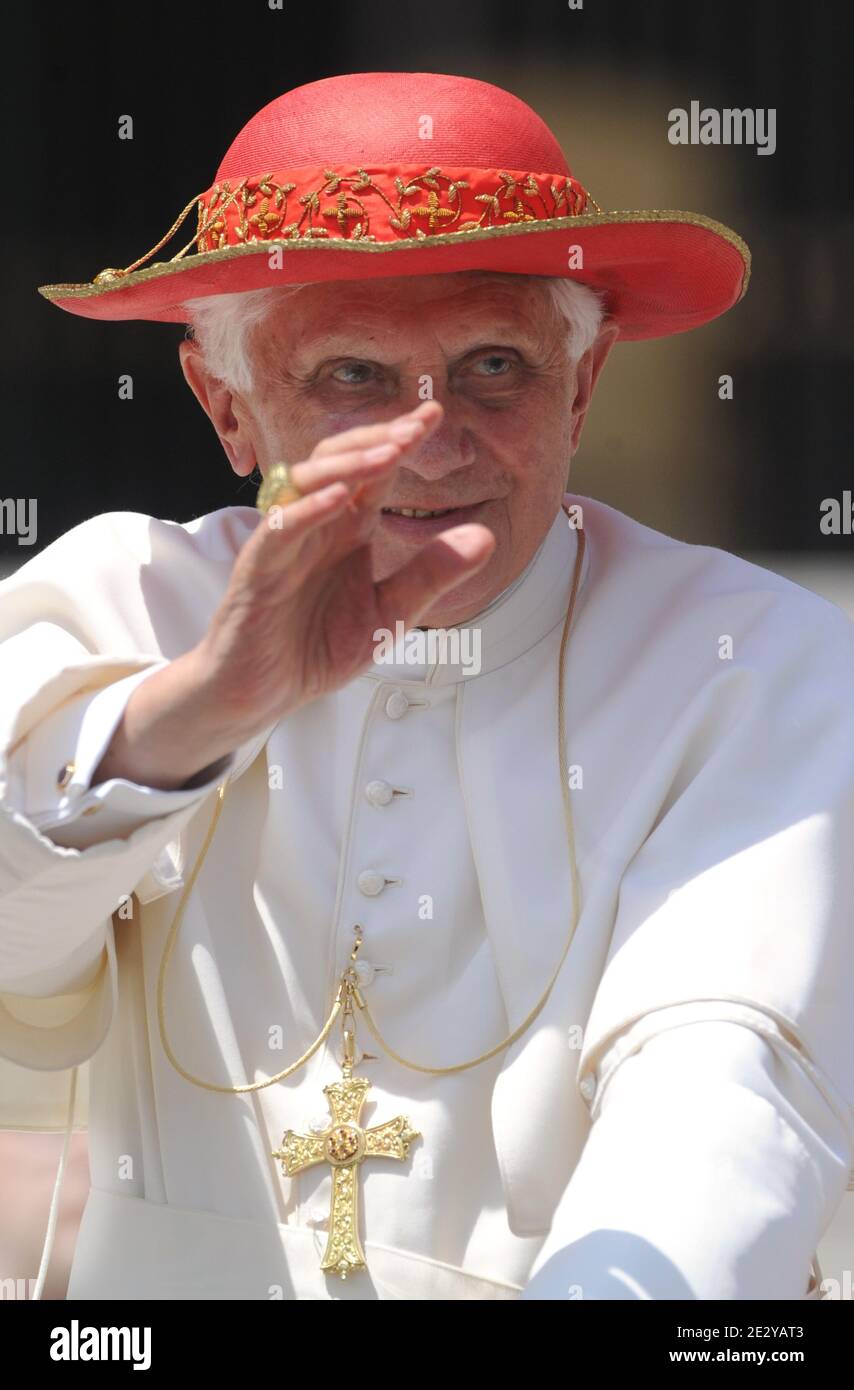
(677, 1122)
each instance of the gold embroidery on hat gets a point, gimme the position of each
(111, 279)
(348, 216)
(351, 214)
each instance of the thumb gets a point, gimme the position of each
(453, 556)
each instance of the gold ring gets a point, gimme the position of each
(277, 489)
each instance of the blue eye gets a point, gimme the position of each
(354, 366)
(496, 357)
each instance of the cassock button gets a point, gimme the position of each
(365, 972)
(379, 793)
(370, 883)
(588, 1087)
(396, 705)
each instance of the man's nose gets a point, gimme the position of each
(450, 446)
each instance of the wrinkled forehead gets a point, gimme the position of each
(447, 308)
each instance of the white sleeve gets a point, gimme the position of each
(64, 643)
(51, 771)
(70, 857)
(717, 1158)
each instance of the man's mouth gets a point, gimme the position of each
(419, 523)
(418, 511)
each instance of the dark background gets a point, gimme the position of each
(748, 474)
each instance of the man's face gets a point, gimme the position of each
(490, 348)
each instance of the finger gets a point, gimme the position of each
(282, 528)
(454, 555)
(368, 483)
(372, 480)
(410, 427)
(352, 466)
(375, 490)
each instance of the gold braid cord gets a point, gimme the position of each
(345, 1144)
(345, 205)
(348, 988)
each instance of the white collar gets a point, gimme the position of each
(519, 617)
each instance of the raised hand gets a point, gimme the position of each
(301, 607)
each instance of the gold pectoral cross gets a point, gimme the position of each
(345, 1145)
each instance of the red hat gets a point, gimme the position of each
(416, 173)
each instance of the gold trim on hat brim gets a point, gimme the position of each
(162, 269)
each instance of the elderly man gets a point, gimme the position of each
(396, 979)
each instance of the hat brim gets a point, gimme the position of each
(662, 272)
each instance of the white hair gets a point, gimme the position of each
(222, 323)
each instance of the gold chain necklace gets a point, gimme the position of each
(345, 1144)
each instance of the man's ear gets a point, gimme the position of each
(217, 402)
(587, 371)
